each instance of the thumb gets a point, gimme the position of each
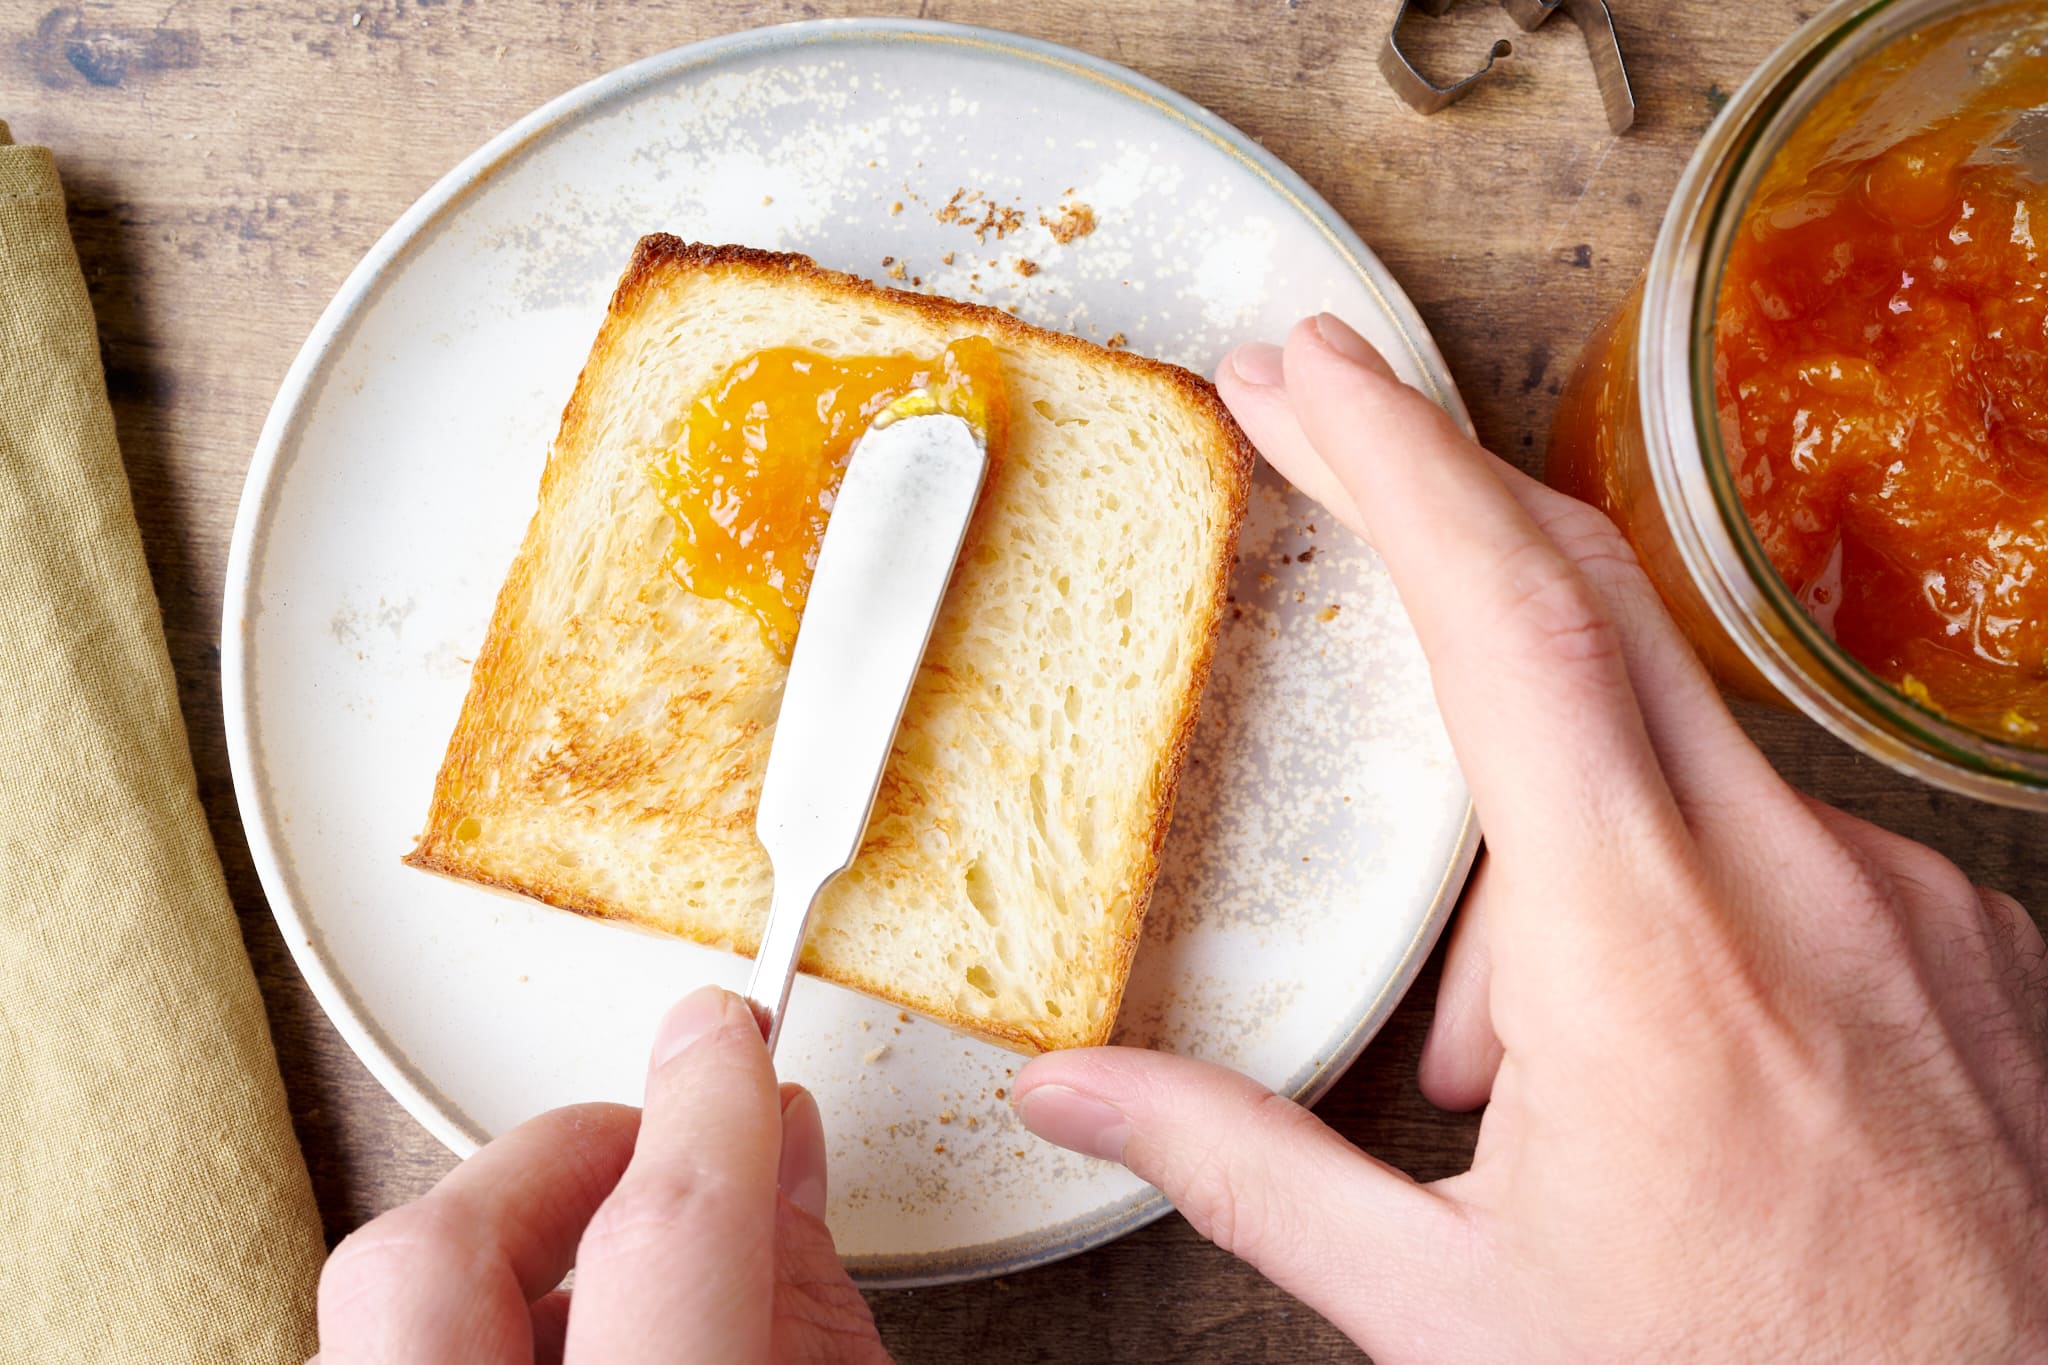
(819, 1314)
(1382, 1257)
(800, 1173)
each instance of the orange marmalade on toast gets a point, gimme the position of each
(750, 479)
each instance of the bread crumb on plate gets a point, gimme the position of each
(1069, 222)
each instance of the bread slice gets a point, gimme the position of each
(610, 752)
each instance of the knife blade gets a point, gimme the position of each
(888, 553)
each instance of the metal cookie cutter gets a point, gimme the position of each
(1593, 18)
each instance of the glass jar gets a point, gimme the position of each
(1640, 435)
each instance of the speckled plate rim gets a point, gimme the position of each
(360, 292)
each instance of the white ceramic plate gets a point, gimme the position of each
(1323, 829)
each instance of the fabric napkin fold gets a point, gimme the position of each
(154, 1205)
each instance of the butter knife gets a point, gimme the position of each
(887, 555)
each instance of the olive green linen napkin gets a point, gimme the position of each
(154, 1205)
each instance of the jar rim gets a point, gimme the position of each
(1675, 357)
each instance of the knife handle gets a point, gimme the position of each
(782, 945)
(884, 564)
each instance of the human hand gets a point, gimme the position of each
(695, 1226)
(1765, 1081)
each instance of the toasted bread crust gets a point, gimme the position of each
(659, 252)
(658, 261)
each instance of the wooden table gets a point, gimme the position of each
(227, 164)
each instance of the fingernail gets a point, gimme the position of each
(1339, 337)
(801, 1174)
(689, 1019)
(1258, 363)
(1080, 1123)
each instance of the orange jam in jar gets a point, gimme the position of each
(1823, 419)
(1882, 385)
(750, 478)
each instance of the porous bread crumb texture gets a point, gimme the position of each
(609, 755)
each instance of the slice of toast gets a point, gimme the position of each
(610, 752)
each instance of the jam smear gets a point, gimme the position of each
(749, 480)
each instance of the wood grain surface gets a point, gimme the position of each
(227, 163)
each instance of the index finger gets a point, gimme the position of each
(1528, 666)
(679, 1261)
(453, 1272)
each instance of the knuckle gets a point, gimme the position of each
(1999, 904)
(1608, 561)
(1587, 537)
(391, 1253)
(2018, 938)
(1553, 610)
(1222, 1193)
(643, 1215)
(1209, 1203)
(1932, 877)
(1603, 554)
